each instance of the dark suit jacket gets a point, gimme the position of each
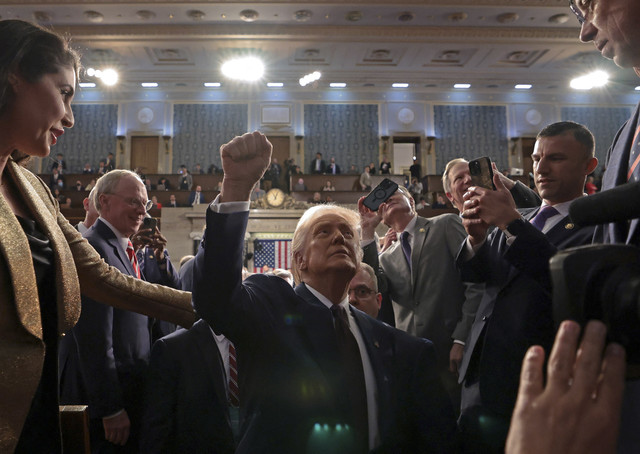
(617, 166)
(323, 166)
(192, 197)
(515, 311)
(330, 169)
(289, 370)
(185, 399)
(113, 344)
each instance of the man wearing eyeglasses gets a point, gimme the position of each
(113, 344)
(612, 26)
(363, 291)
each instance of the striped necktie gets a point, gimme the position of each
(131, 253)
(234, 392)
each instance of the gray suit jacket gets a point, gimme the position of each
(430, 300)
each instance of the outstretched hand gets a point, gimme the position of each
(578, 411)
(244, 161)
(493, 207)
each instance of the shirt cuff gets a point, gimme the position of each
(456, 341)
(118, 413)
(228, 207)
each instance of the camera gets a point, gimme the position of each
(380, 194)
(601, 282)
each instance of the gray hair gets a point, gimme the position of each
(107, 183)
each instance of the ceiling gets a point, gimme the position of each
(430, 44)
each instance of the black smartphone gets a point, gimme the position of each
(150, 223)
(380, 194)
(481, 173)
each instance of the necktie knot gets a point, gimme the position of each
(543, 215)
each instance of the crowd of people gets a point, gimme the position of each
(261, 365)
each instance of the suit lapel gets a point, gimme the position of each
(211, 355)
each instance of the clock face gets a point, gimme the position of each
(275, 197)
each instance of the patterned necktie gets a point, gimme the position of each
(353, 373)
(131, 253)
(234, 392)
(406, 247)
(545, 213)
(634, 158)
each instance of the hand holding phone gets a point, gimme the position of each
(380, 194)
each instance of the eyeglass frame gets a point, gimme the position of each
(133, 202)
(362, 288)
(575, 10)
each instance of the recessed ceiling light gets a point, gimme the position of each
(87, 85)
(400, 85)
(149, 84)
(637, 88)
(246, 69)
(593, 80)
(275, 84)
(462, 86)
(212, 84)
(108, 76)
(309, 78)
(523, 86)
(337, 84)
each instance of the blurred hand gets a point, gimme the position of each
(116, 428)
(141, 239)
(578, 411)
(506, 181)
(244, 161)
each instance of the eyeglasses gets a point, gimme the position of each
(362, 291)
(135, 203)
(577, 12)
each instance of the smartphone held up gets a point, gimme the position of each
(481, 173)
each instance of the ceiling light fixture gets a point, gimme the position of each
(87, 85)
(109, 76)
(400, 85)
(212, 84)
(149, 84)
(461, 85)
(246, 69)
(309, 78)
(275, 84)
(523, 86)
(595, 79)
(337, 85)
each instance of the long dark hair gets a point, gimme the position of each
(30, 51)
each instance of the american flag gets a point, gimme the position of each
(273, 253)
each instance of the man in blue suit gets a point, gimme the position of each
(513, 262)
(315, 374)
(114, 344)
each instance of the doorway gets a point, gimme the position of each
(144, 153)
(281, 151)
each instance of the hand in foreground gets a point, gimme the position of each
(369, 220)
(116, 428)
(455, 357)
(506, 181)
(579, 409)
(244, 160)
(493, 207)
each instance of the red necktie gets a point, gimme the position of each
(234, 392)
(131, 253)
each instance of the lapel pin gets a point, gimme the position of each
(376, 344)
(421, 230)
(569, 226)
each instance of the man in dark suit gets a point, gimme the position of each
(196, 197)
(114, 344)
(318, 165)
(333, 168)
(319, 376)
(513, 263)
(186, 404)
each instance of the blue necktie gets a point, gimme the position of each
(545, 213)
(406, 247)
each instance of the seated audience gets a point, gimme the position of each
(385, 166)
(156, 204)
(333, 168)
(440, 202)
(90, 185)
(87, 168)
(196, 197)
(300, 186)
(59, 164)
(317, 198)
(78, 187)
(163, 184)
(328, 186)
(173, 203)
